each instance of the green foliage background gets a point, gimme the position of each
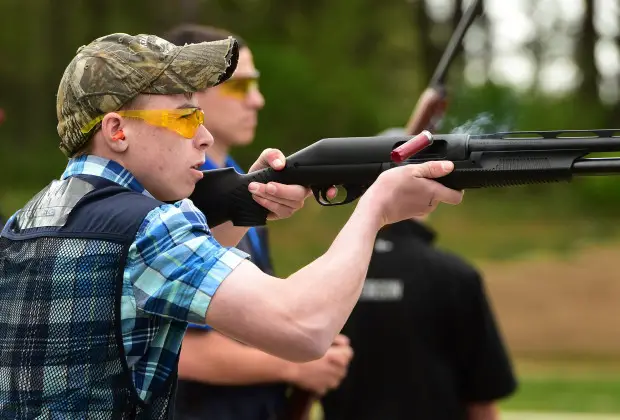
(329, 68)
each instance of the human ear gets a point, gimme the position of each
(113, 134)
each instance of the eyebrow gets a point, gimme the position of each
(254, 75)
(188, 105)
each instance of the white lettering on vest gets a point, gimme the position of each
(382, 290)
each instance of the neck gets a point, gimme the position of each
(218, 153)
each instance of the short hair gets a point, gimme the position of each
(190, 33)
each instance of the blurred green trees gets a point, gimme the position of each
(329, 68)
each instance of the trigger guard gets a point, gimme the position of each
(353, 193)
(320, 194)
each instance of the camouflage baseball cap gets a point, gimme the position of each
(114, 69)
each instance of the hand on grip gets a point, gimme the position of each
(281, 200)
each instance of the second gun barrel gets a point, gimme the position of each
(596, 166)
(594, 144)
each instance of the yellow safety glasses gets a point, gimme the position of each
(239, 88)
(184, 121)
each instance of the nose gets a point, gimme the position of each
(255, 99)
(203, 138)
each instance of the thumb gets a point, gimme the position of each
(434, 169)
(269, 158)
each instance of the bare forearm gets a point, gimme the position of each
(298, 318)
(321, 295)
(210, 357)
(483, 411)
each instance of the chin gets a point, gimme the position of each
(245, 139)
(189, 190)
(182, 195)
(176, 195)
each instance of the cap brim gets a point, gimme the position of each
(197, 67)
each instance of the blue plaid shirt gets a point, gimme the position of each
(173, 268)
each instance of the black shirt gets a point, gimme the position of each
(423, 334)
(200, 401)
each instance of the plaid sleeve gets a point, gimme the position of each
(175, 265)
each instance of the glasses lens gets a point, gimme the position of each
(187, 125)
(239, 88)
(199, 115)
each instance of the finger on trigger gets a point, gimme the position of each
(332, 192)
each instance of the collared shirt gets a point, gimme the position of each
(258, 253)
(173, 269)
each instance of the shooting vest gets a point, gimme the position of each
(61, 276)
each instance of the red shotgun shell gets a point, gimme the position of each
(412, 146)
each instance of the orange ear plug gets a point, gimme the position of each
(119, 135)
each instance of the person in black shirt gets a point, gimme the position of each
(425, 340)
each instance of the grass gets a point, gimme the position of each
(560, 386)
(561, 394)
(557, 395)
(569, 384)
(549, 415)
